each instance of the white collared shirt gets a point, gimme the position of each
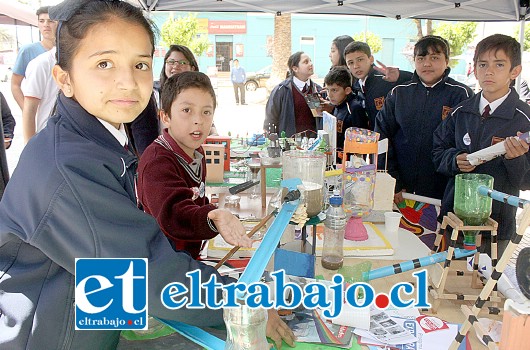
(119, 134)
(300, 84)
(493, 105)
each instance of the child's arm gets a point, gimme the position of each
(448, 160)
(272, 111)
(165, 195)
(516, 160)
(387, 126)
(230, 228)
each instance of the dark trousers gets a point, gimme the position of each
(241, 88)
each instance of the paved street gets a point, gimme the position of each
(229, 117)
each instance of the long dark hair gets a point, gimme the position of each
(186, 52)
(341, 42)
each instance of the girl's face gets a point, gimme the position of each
(431, 68)
(334, 55)
(110, 77)
(176, 63)
(304, 70)
(191, 118)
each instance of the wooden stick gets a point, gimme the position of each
(250, 234)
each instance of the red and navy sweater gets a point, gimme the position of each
(171, 188)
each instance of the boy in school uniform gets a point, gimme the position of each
(347, 109)
(411, 113)
(172, 170)
(372, 83)
(494, 115)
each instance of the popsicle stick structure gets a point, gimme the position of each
(438, 291)
(491, 284)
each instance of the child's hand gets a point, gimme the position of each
(398, 197)
(514, 147)
(278, 330)
(463, 164)
(326, 106)
(390, 74)
(230, 228)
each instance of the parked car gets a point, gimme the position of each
(5, 72)
(258, 79)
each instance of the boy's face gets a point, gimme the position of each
(494, 74)
(337, 94)
(359, 64)
(110, 78)
(191, 118)
(430, 68)
(47, 27)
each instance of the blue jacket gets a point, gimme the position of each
(349, 114)
(510, 176)
(280, 108)
(408, 119)
(375, 91)
(238, 75)
(72, 196)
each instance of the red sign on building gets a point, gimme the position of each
(227, 27)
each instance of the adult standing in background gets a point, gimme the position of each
(287, 109)
(239, 78)
(47, 28)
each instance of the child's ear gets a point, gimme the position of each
(514, 73)
(62, 78)
(348, 90)
(166, 120)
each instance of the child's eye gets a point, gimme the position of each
(500, 65)
(105, 65)
(186, 110)
(208, 113)
(481, 65)
(142, 66)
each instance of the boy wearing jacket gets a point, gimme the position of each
(373, 83)
(494, 115)
(348, 110)
(411, 113)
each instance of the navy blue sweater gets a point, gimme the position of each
(510, 175)
(408, 119)
(349, 114)
(375, 91)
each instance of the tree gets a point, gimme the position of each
(459, 35)
(184, 31)
(526, 45)
(373, 40)
(281, 49)
(419, 27)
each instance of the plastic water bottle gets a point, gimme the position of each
(332, 251)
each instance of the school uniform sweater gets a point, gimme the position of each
(349, 114)
(280, 111)
(464, 131)
(171, 187)
(374, 91)
(72, 196)
(408, 119)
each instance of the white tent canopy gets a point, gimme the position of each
(451, 10)
(12, 12)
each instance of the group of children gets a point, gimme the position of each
(432, 121)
